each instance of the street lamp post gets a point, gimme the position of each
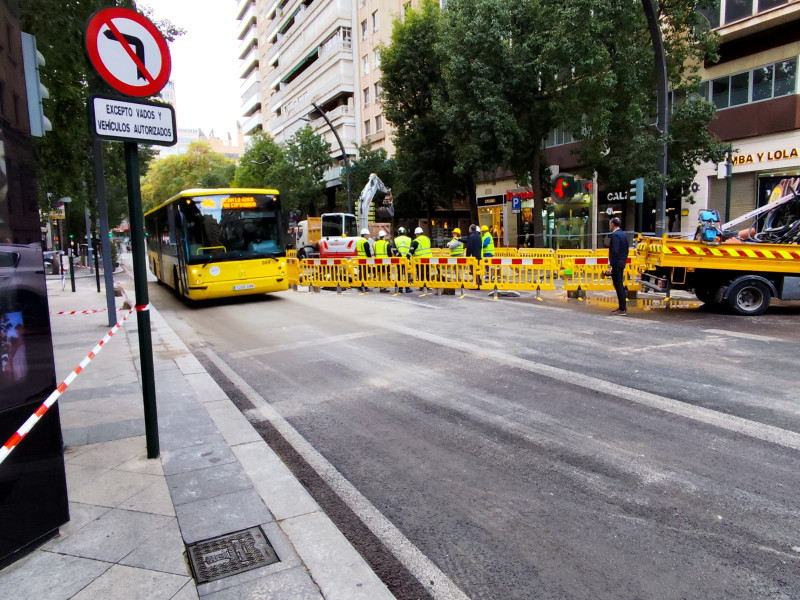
(341, 147)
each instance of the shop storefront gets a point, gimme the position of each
(758, 168)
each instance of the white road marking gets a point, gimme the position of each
(744, 336)
(691, 343)
(420, 566)
(767, 433)
(299, 345)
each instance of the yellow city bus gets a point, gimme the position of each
(218, 243)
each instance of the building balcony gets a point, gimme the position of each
(249, 62)
(242, 6)
(253, 124)
(248, 19)
(250, 38)
(254, 77)
(251, 100)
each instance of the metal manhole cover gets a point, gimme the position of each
(230, 554)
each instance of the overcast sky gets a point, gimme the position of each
(205, 65)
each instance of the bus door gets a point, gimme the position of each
(177, 222)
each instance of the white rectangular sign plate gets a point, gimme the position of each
(126, 121)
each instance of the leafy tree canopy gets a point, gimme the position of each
(428, 169)
(64, 158)
(199, 167)
(296, 170)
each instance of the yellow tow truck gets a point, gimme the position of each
(724, 271)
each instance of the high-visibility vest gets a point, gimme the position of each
(423, 247)
(457, 249)
(487, 242)
(381, 249)
(360, 247)
(403, 244)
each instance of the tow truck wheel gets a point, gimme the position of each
(749, 297)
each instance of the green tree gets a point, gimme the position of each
(428, 169)
(310, 156)
(372, 161)
(263, 164)
(64, 158)
(198, 167)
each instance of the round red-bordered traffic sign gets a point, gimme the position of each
(128, 52)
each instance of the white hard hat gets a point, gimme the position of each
(381, 233)
(418, 230)
(365, 232)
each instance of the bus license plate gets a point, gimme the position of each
(244, 286)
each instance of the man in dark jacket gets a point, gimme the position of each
(617, 259)
(473, 242)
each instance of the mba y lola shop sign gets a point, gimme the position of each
(129, 53)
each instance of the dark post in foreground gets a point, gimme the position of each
(142, 300)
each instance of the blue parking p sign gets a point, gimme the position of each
(516, 204)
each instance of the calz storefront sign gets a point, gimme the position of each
(132, 121)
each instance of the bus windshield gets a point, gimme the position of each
(232, 227)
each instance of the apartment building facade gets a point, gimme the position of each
(298, 54)
(755, 88)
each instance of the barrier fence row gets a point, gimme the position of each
(537, 273)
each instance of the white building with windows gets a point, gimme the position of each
(298, 53)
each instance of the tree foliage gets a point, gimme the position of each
(198, 167)
(296, 170)
(489, 80)
(64, 159)
(428, 170)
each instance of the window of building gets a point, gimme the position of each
(365, 64)
(378, 92)
(366, 96)
(364, 29)
(730, 11)
(558, 137)
(379, 123)
(362, 2)
(406, 8)
(367, 130)
(375, 21)
(763, 83)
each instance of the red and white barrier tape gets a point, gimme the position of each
(81, 312)
(51, 399)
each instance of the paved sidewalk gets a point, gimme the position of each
(131, 517)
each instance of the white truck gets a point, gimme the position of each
(334, 235)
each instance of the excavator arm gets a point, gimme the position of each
(374, 185)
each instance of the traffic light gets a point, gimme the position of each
(563, 188)
(637, 190)
(32, 59)
(586, 187)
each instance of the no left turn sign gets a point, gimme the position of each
(128, 52)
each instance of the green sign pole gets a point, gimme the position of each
(142, 299)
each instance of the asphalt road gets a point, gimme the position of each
(517, 449)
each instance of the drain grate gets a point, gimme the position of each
(230, 554)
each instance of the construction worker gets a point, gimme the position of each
(363, 250)
(383, 250)
(487, 247)
(487, 243)
(402, 248)
(456, 245)
(382, 246)
(402, 243)
(421, 248)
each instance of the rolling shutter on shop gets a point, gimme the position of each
(743, 196)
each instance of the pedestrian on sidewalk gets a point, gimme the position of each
(617, 259)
